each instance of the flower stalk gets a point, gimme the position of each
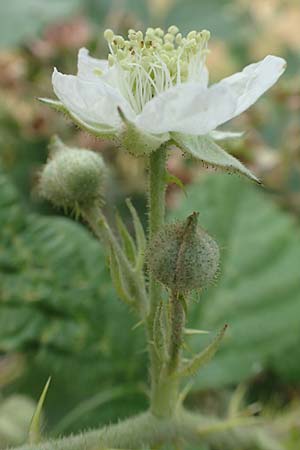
(177, 319)
(156, 204)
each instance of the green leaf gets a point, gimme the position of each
(258, 289)
(91, 404)
(206, 150)
(59, 311)
(219, 16)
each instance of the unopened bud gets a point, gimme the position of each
(183, 256)
(73, 177)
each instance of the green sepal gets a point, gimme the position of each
(119, 278)
(160, 333)
(128, 244)
(206, 150)
(96, 129)
(54, 104)
(194, 365)
(172, 179)
(183, 302)
(136, 141)
(140, 236)
(191, 331)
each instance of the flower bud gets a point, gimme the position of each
(73, 177)
(183, 256)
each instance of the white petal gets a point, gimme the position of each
(90, 68)
(218, 135)
(247, 86)
(92, 101)
(188, 108)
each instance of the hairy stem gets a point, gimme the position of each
(157, 187)
(103, 232)
(177, 318)
(146, 430)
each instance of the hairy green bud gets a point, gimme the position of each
(73, 177)
(183, 256)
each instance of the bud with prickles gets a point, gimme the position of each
(73, 177)
(183, 256)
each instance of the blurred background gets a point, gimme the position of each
(59, 314)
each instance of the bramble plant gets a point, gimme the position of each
(151, 93)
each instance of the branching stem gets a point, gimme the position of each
(147, 430)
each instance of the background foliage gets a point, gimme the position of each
(59, 315)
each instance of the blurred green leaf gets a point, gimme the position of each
(258, 290)
(58, 308)
(221, 17)
(23, 20)
(91, 404)
(97, 10)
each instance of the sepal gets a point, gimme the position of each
(98, 130)
(136, 141)
(134, 249)
(219, 135)
(54, 104)
(194, 365)
(206, 150)
(127, 241)
(172, 179)
(36, 421)
(160, 337)
(120, 279)
(191, 331)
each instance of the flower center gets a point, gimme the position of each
(148, 64)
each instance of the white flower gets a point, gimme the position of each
(154, 88)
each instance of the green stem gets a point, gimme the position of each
(163, 392)
(103, 232)
(147, 430)
(177, 318)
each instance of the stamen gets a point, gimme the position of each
(148, 64)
